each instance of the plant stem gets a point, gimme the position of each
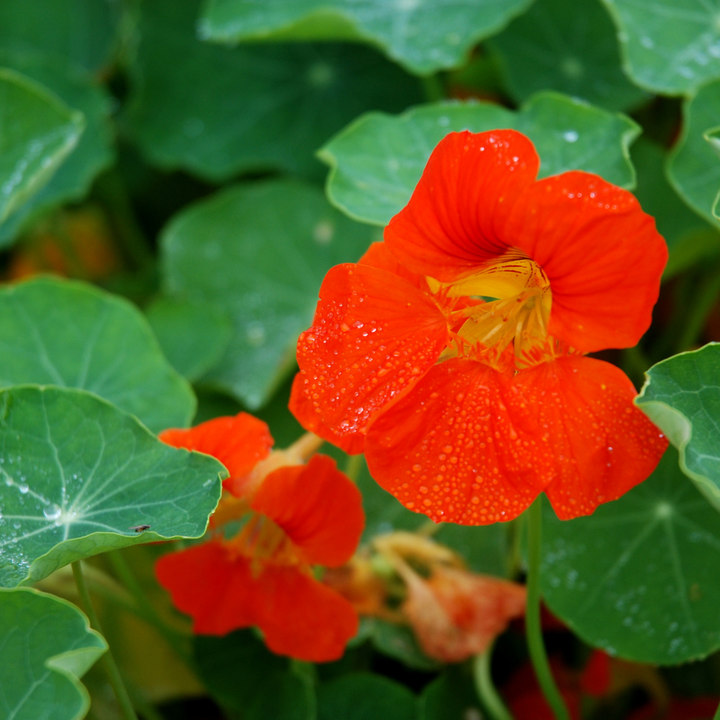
(113, 673)
(485, 688)
(433, 86)
(532, 615)
(717, 714)
(353, 466)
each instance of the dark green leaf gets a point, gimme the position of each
(243, 675)
(558, 46)
(37, 132)
(259, 252)
(365, 696)
(94, 150)
(80, 477)
(694, 168)
(251, 107)
(422, 36)
(451, 696)
(640, 577)
(193, 336)
(377, 161)
(397, 641)
(47, 645)
(682, 397)
(668, 46)
(70, 334)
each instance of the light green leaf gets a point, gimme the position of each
(194, 336)
(46, 645)
(682, 397)
(422, 35)
(260, 252)
(37, 132)
(693, 167)
(640, 577)
(365, 696)
(377, 160)
(668, 46)
(57, 332)
(93, 152)
(80, 477)
(253, 106)
(396, 641)
(554, 46)
(76, 32)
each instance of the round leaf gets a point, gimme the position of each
(365, 696)
(37, 132)
(377, 161)
(668, 46)
(640, 577)
(693, 168)
(259, 252)
(253, 106)
(73, 335)
(80, 477)
(422, 36)
(682, 397)
(47, 645)
(554, 46)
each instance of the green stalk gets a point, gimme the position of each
(486, 690)
(538, 655)
(111, 669)
(717, 714)
(434, 88)
(353, 466)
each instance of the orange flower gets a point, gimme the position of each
(295, 516)
(453, 353)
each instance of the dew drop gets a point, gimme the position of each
(52, 511)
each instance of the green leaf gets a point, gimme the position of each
(57, 332)
(377, 161)
(421, 36)
(93, 152)
(668, 46)
(554, 46)
(397, 641)
(78, 32)
(37, 132)
(682, 397)
(693, 167)
(243, 675)
(451, 696)
(254, 106)
(365, 696)
(47, 645)
(260, 252)
(689, 238)
(193, 336)
(80, 477)
(640, 577)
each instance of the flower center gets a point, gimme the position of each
(264, 541)
(499, 314)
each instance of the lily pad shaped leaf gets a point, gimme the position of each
(70, 334)
(693, 166)
(422, 35)
(378, 159)
(640, 577)
(682, 397)
(259, 252)
(80, 477)
(37, 132)
(668, 46)
(46, 645)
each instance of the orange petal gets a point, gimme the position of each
(302, 618)
(378, 255)
(604, 444)
(211, 586)
(464, 446)
(448, 226)
(600, 251)
(374, 335)
(306, 413)
(318, 508)
(239, 443)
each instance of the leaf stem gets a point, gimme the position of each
(113, 673)
(353, 466)
(538, 655)
(486, 690)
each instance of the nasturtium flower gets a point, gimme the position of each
(292, 517)
(454, 353)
